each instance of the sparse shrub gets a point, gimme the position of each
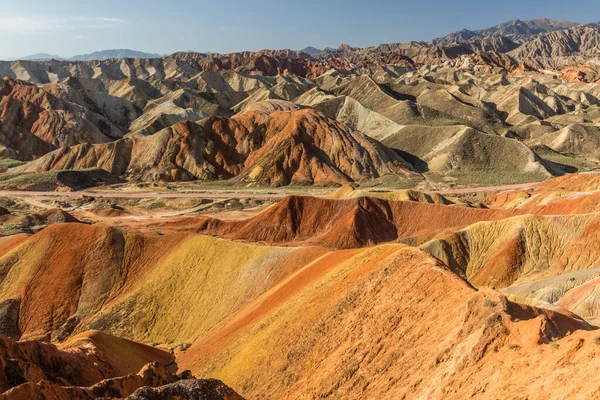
(348, 372)
(348, 303)
(9, 163)
(157, 204)
(182, 346)
(489, 303)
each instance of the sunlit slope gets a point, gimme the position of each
(386, 322)
(348, 192)
(520, 249)
(571, 194)
(162, 288)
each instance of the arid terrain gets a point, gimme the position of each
(405, 221)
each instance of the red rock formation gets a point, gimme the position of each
(84, 361)
(266, 63)
(34, 122)
(257, 146)
(344, 223)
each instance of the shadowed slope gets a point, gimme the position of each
(553, 49)
(152, 382)
(358, 222)
(520, 249)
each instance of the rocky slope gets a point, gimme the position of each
(517, 30)
(418, 302)
(96, 365)
(257, 146)
(560, 48)
(83, 361)
(33, 122)
(455, 112)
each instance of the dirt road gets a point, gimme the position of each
(230, 195)
(144, 195)
(485, 189)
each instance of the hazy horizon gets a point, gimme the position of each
(72, 28)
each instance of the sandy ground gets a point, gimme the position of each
(146, 195)
(219, 194)
(485, 189)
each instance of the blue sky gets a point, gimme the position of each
(68, 27)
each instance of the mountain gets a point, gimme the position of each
(97, 55)
(403, 221)
(560, 48)
(406, 111)
(461, 36)
(310, 50)
(521, 31)
(33, 120)
(288, 147)
(109, 54)
(40, 57)
(516, 30)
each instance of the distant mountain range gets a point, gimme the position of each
(541, 43)
(38, 57)
(119, 53)
(310, 50)
(97, 55)
(516, 30)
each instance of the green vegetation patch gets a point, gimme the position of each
(16, 179)
(6, 163)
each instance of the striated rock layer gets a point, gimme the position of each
(277, 148)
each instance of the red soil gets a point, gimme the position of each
(348, 223)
